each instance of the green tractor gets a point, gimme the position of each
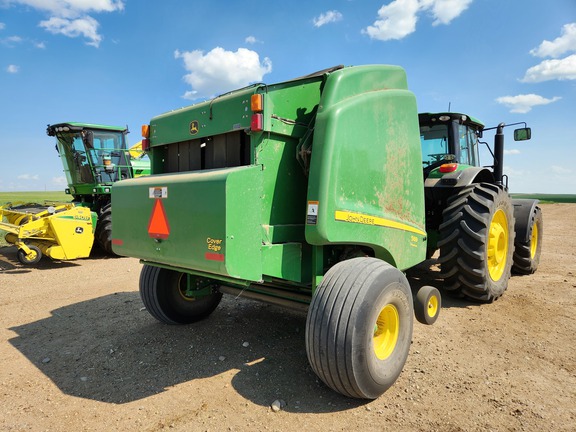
(483, 235)
(94, 158)
(312, 193)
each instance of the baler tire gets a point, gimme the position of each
(427, 305)
(23, 258)
(527, 253)
(103, 232)
(161, 291)
(477, 243)
(359, 327)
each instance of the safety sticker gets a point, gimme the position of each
(158, 192)
(312, 213)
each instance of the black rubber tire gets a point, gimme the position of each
(427, 305)
(341, 324)
(527, 252)
(21, 255)
(103, 232)
(466, 252)
(161, 293)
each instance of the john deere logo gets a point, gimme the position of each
(194, 127)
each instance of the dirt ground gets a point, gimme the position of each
(78, 352)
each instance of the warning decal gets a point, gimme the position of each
(312, 213)
(158, 226)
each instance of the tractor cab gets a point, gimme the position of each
(448, 138)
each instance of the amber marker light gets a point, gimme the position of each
(257, 102)
(145, 137)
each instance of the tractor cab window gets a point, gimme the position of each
(468, 143)
(81, 168)
(108, 156)
(434, 140)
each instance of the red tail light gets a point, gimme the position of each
(145, 144)
(257, 123)
(448, 168)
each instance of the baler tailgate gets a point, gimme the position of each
(197, 220)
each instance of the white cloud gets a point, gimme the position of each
(525, 102)
(13, 69)
(2, 26)
(70, 17)
(513, 171)
(444, 11)
(327, 18)
(562, 44)
(220, 70)
(252, 40)
(28, 177)
(11, 41)
(554, 69)
(557, 169)
(73, 8)
(398, 18)
(15, 39)
(512, 152)
(85, 26)
(59, 181)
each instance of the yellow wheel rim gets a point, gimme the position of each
(432, 306)
(497, 245)
(386, 332)
(32, 256)
(182, 288)
(534, 241)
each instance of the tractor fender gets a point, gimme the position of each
(461, 178)
(523, 210)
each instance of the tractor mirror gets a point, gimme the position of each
(522, 134)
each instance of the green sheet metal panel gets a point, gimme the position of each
(289, 109)
(212, 221)
(366, 182)
(220, 115)
(283, 261)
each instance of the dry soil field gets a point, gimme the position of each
(79, 353)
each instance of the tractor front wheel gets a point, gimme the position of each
(177, 298)
(103, 231)
(477, 242)
(359, 327)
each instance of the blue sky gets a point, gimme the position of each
(124, 61)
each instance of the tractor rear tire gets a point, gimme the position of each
(103, 231)
(359, 327)
(163, 292)
(527, 252)
(477, 242)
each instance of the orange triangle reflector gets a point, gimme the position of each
(158, 226)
